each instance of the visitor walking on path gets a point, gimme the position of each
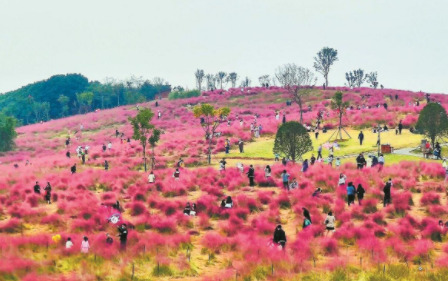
(85, 246)
(37, 188)
(342, 178)
(241, 145)
(176, 174)
(319, 152)
(381, 162)
(386, 191)
(284, 118)
(305, 165)
(73, 169)
(329, 222)
(360, 161)
(307, 218)
(312, 159)
(360, 137)
(400, 127)
(251, 175)
(123, 234)
(267, 172)
(279, 236)
(360, 192)
(350, 193)
(106, 165)
(227, 146)
(285, 179)
(151, 177)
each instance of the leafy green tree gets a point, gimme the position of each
(37, 109)
(153, 140)
(85, 100)
(433, 122)
(143, 129)
(324, 60)
(63, 101)
(372, 79)
(292, 141)
(340, 106)
(45, 109)
(355, 78)
(7, 132)
(221, 76)
(232, 78)
(210, 122)
(199, 74)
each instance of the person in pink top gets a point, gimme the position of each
(85, 245)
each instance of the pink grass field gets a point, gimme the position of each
(217, 243)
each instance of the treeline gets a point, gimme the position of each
(66, 95)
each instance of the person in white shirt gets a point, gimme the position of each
(69, 243)
(342, 179)
(109, 145)
(381, 161)
(151, 177)
(329, 222)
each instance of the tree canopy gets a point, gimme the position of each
(7, 132)
(433, 122)
(324, 60)
(292, 140)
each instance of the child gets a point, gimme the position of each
(277, 157)
(69, 243)
(338, 162)
(330, 160)
(85, 245)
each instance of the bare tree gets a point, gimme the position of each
(264, 79)
(298, 81)
(372, 79)
(324, 60)
(199, 74)
(221, 76)
(246, 82)
(232, 78)
(209, 81)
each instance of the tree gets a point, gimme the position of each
(246, 82)
(7, 132)
(355, 78)
(210, 122)
(298, 81)
(143, 130)
(221, 76)
(153, 140)
(85, 100)
(63, 101)
(324, 60)
(292, 141)
(209, 81)
(199, 74)
(45, 108)
(37, 109)
(158, 83)
(232, 78)
(264, 79)
(340, 106)
(433, 122)
(372, 79)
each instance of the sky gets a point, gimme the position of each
(405, 41)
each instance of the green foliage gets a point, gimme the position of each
(433, 122)
(184, 94)
(292, 141)
(7, 132)
(324, 60)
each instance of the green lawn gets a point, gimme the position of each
(262, 148)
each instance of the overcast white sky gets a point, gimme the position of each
(405, 41)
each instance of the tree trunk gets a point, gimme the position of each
(209, 150)
(326, 80)
(144, 155)
(340, 124)
(153, 159)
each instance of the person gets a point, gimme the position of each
(386, 191)
(83, 157)
(109, 145)
(329, 222)
(81, 127)
(69, 243)
(109, 239)
(360, 192)
(176, 174)
(277, 115)
(361, 161)
(284, 118)
(444, 164)
(48, 190)
(341, 180)
(240, 167)
(67, 154)
(319, 152)
(316, 132)
(123, 234)
(294, 184)
(104, 148)
(67, 141)
(312, 159)
(85, 245)
(400, 127)
(241, 145)
(276, 157)
(360, 137)
(227, 146)
(228, 202)
(307, 218)
(159, 114)
(285, 179)
(37, 188)
(396, 96)
(317, 192)
(441, 224)
(338, 162)
(106, 165)
(180, 162)
(116, 206)
(385, 128)
(73, 169)
(351, 193)
(305, 165)
(187, 209)
(157, 104)
(117, 133)
(374, 160)
(279, 236)
(267, 172)
(381, 162)
(151, 177)
(193, 210)
(223, 163)
(330, 160)
(129, 140)
(251, 175)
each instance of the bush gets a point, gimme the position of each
(184, 94)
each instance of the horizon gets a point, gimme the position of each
(172, 39)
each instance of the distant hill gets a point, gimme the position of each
(41, 100)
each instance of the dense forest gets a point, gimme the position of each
(65, 95)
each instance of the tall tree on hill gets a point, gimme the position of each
(118, 90)
(209, 81)
(85, 100)
(324, 60)
(232, 78)
(433, 122)
(338, 104)
(143, 129)
(246, 82)
(153, 140)
(45, 108)
(158, 83)
(298, 81)
(210, 121)
(264, 79)
(199, 74)
(221, 76)
(372, 79)
(292, 141)
(7, 132)
(63, 100)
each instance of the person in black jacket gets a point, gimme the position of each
(306, 214)
(361, 161)
(37, 188)
(386, 191)
(279, 236)
(251, 175)
(73, 169)
(123, 234)
(360, 192)
(109, 239)
(67, 154)
(360, 137)
(400, 127)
